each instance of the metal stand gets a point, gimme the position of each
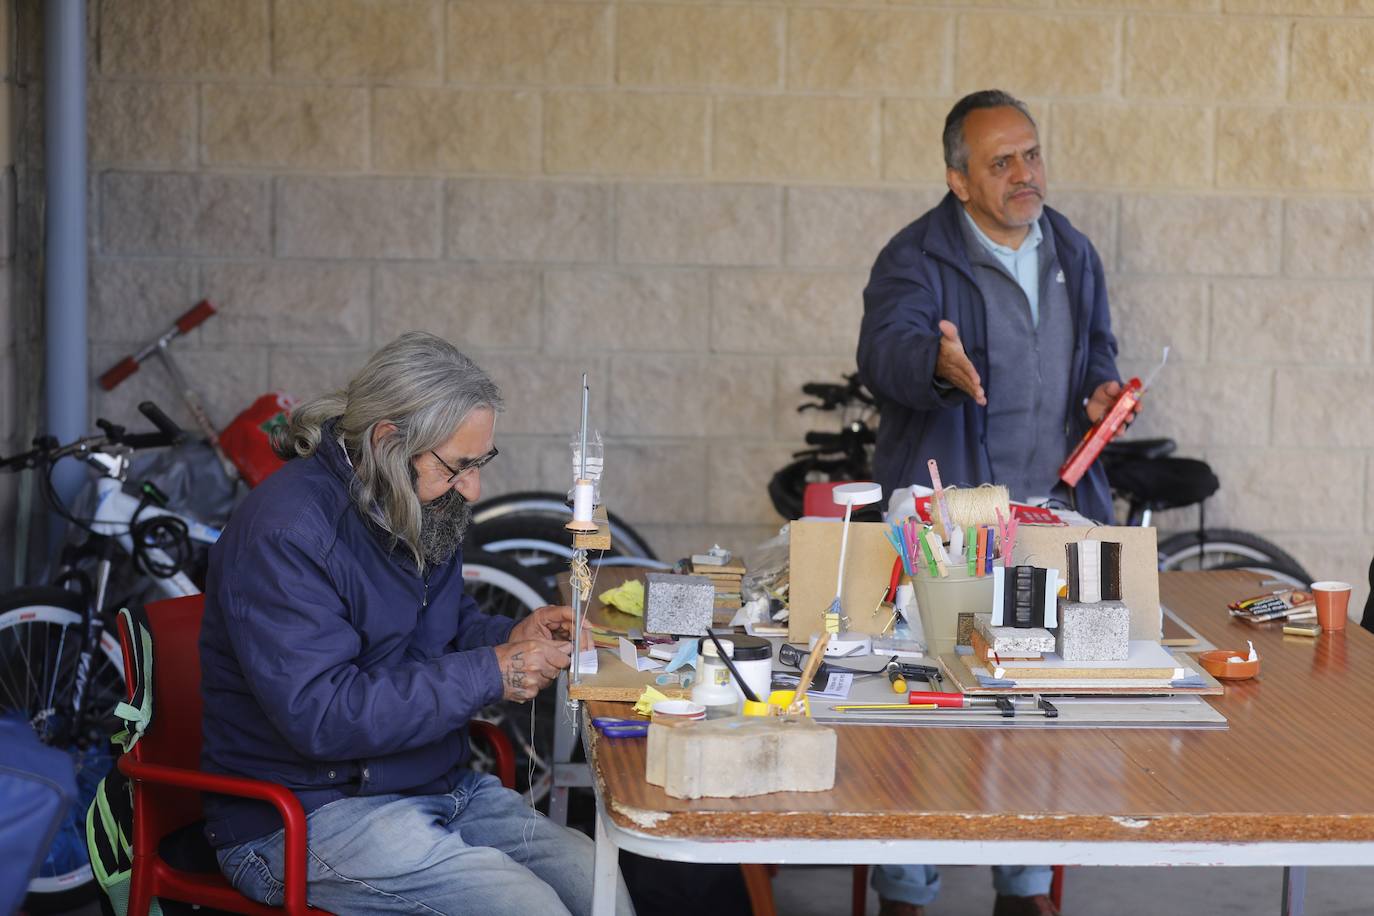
(1294, 890)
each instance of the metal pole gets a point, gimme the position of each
(66, 370)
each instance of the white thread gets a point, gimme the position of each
(582, 501)
(977, 505)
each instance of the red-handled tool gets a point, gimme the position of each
(1106, 428)
(948, 700)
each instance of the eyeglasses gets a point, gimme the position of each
(467, 466)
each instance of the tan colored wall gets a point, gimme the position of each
(684, 199)
(9, 413)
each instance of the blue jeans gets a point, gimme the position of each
(476, 850)
(920, 884)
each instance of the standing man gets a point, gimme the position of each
(987, 340)
(986, 334)
(341, 657)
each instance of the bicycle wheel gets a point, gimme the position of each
(503, 587)
(40, 640)
(512, 515)
(1214, 548)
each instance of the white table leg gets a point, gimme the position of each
(1294, 890)
(564, 740)
(606, 872)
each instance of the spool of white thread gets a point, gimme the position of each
(582, 507)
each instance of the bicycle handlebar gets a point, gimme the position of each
(48, 450)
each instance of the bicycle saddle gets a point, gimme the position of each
(1163, 483)
(1128, 449)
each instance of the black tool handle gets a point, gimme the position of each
(165, 424)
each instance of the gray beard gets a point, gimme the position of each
(443, 523)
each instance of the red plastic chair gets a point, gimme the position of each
(817, 501)
(164, 768)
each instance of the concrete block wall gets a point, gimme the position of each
(10, 424)
(684, 198)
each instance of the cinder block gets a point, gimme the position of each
(145, 123)
(1013, 641)
(1329, 237)
(172, 213)
(184, 38)
(698, 224)
(787, 312)
(496, 41)
(1251, 68)
(528, 221)
(1096, 632)
(312, 127)
(1270, 149)
(1131, 145)
(681, 605)
(738, 756)
(320, 39)
(615, 133)
(709, 46)
(1331, 61)
(366, 217)
(594, 309)
(865, 50)
(1197, 235)
(1053, 54)
(456, 130)
(736, 401)
(774, 136)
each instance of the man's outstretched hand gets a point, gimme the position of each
(551, 622)
(954, 366)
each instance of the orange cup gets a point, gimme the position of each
(1333, 600)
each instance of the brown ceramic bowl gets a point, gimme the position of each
(1216, 664)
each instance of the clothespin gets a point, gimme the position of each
(971, 550)
(1007, 529)
(931, 558)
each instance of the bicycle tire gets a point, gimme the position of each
(52, 618)
(549, 505)
(500, 586)
(1216, 547)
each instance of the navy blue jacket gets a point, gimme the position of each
(923, 276)
(328, 663)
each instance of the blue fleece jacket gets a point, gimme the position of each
(328, 663)
(923, 276)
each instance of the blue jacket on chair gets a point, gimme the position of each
(328, 663)
(922, 277)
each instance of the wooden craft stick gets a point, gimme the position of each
(809, 672)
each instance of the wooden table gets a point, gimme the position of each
(1283, 785)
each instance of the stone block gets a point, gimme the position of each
(867, 50)
(1149, 313)
(456, 130)
(1331, 237)
(847, 227)
(1277, 148)
(1175, 58)
(606, 133)
(1053, 54)
(598, 309)
(739, 472)
(133, 301)
(326, 217)
(475, 306)
(786, 312)
(357, 39)
(737, 756)
(769, 137)
(1117, 145)
(1206, 405)
(679, 605)
(285, 303)
(543, 221)
(656, 482)
(706, 396)
(184, 38)
(912, 146)
(698, 224)
(543, 394)
(313, 127)
(1162, 6)
(309, 373)
(1097, 632)
(1271, 321)
(1200, 235)
(172, 213)
(141, 123)
(1298, 486)
(689, 46)
(1092, 213)
(559, 44)
(1333, 61)
(1013, 642)
(1320, 408)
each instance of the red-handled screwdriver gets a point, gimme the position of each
(948, 700)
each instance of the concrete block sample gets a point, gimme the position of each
(740, 756)
(680, 605)
(1014, 642)
(1096, 632)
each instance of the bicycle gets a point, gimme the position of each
(1142, 473)
(60, 665)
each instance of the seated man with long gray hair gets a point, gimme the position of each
(342, 658)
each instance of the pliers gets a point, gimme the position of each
(613, 727)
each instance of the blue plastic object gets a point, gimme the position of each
(37, 785)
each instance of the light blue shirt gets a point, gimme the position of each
(1023, 264)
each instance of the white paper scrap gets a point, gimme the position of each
(587, 662)
(629, 656)
(836, 687)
